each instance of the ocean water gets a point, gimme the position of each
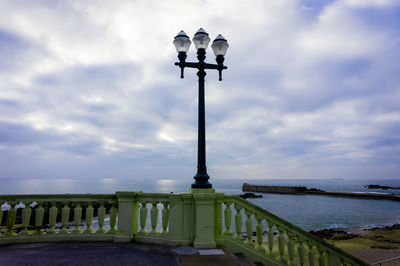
(310, 212)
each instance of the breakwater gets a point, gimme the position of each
(302, 190)
(274, 189)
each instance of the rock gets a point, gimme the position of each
(343, 236)
(387, 228)
(324, 233)
(382, 246)
(315, 190)
(250, 195)
(373, 186)
(334, 234)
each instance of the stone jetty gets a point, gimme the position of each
(302, 190)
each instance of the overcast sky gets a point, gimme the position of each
(88, 89)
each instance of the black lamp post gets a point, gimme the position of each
(219, 46)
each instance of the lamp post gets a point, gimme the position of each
(219, 46)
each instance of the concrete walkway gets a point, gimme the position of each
(109, 253)
(373, 256)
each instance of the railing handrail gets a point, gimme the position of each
(297, 230)
(154, 196)
(65, 195)
(82, 197)
(58, 197)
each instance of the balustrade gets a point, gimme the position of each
(65, 218)
(281, 241)
(77, 218)
(63, 215)
(270, 237)
(52, 218)
(26, 215)
(153, 222)
(11, 215)
(101, 215)
(311, 258)
(89, 218)
(228, 219)
(113, 218)
(154, 218)
(165, 218)
(146, 218)
(143, 217)
(238, 222)
(259, 233)
(301, 252)
(39, 213)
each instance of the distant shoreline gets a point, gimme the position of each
(360, 195)
(302, 190)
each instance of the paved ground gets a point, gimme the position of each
(86, 253)
(373, 256)
(109, 253)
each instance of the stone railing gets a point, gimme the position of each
(275, 241)
(201, 218)
(57, 217)
(118, 217)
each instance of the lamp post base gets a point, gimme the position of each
(201, 181)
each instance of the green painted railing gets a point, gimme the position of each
(64, 211)
(201, 218)
(276, 241)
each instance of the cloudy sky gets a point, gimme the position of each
(88, 89)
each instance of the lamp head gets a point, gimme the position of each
(182, 42)
(220, 45)
(201, 39)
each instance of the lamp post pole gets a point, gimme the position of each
(219, 46)
(201, 175)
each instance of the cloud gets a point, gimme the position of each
(89, 89)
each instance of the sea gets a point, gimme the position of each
(310, 212)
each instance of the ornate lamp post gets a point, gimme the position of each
(219, 46)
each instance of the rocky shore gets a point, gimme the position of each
(371, 245)
(387, 237)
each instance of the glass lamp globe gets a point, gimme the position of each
(220, 45)
(182, 42)
(201, 39)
